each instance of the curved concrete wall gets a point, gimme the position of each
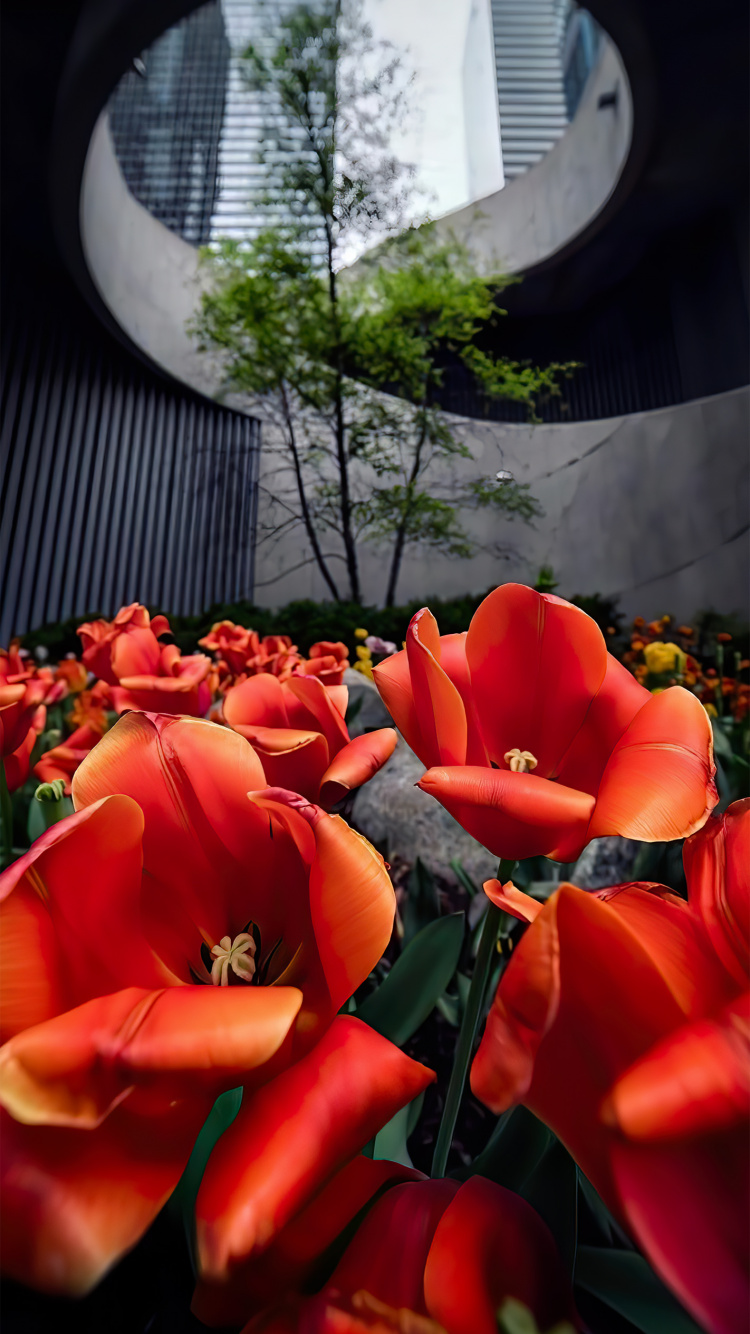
(548, 207)
(650, 507)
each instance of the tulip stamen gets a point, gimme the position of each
(520, 761)
(237, 954)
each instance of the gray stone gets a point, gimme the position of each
(606, 861)
(404, 822)
(372, 712)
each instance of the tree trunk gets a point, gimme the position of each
(306, 515)
(400, 541)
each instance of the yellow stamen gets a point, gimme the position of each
(520, 761)
(237, 954)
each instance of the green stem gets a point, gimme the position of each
(469, 1022)
(6, 807)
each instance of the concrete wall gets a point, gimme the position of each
(652, 507)
(547, 207)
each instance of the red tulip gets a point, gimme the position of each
(537, 739)
(297, 730)
(327, 660)
(429, 1256)
(623, 1021)
(142, 673)
(24, 691)
(63, 760)
(73, 673)
(116, 1043)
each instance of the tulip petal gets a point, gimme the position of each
(135, 652)
(515, 815)
(440, 710)
(75, 1068)
(258, 701)
(613, 708)
(290, 758)
(352, 903)
(717, 866)
(512, 900)
(686, 1205)
(72, 1202)
(309, 704)
(62, 940)
(201, 838)
(393, 681)
(536, 663)
(489, 1245)
(294, 1134)
(389, 1252)
(455, 664)
(297, 1248)
(658, 783)
(572, 975)
(695, 1080)
(356, 764)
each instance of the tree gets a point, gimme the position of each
(347, 365)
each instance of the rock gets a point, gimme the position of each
(372, 712)
(404, 822)
(606, 861)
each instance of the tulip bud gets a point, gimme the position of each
(51, 797)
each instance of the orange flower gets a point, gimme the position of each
(723, 637)
(116, 1043)
(233, 643)
(328, 661)
(623, 1021)
(142, 673)
(73, 673)
(541, 740)
(63, 760)
(90, 707)
(24, 692)
(297, 729)
(431, 1257)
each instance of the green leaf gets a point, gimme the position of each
(627, 1284)
(552, 1189)
(219, 1119)
(417, 979)
(422, 906)
(607, 1224)
(463, 878)
(515, 1148)
(390, 1142)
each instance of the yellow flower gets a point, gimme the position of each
(361, 634)
(365, 669)
(363, 653)
(662, 657)
(711, 710)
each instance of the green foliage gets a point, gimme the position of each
(415, 982)
(626, 1283)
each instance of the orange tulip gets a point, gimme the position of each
(297, 730)
(623, 1021)
(327, 660)
(116, 1043)
(73, 673)
(63, 760)
(142, 673)
(432, 1257)
(537, 740)
(25, 689)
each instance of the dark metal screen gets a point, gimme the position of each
(166, 116)
(115, 485)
